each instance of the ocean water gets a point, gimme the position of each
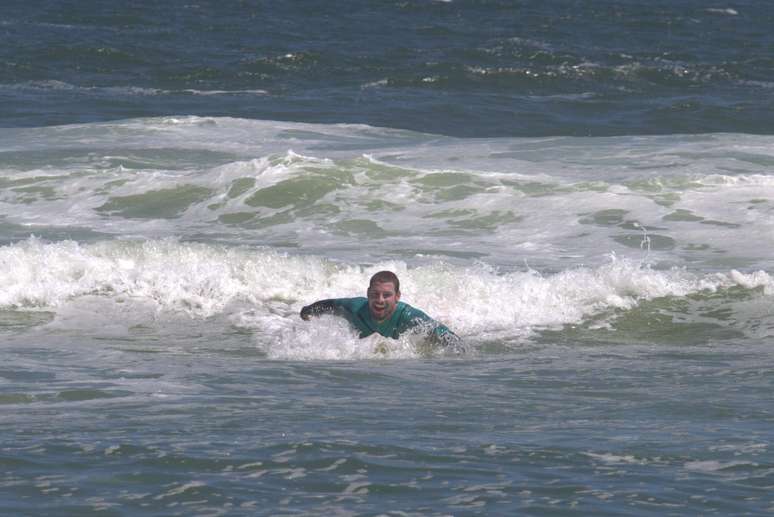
(584, 192)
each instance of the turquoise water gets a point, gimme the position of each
(583, 194)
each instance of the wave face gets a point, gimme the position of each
(262, 292)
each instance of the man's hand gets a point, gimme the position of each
(318, 308)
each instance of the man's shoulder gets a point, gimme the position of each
(409, 312)
(352, 304)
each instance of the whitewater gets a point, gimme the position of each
(614, 296)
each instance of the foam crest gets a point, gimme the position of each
(756, 180)
(125, 90)
(479, 304)
(480, 300)
(327, 338)
(262, 291)
(203, 279)
(194, 278)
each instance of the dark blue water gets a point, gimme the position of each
(464, 68)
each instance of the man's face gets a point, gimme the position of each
(382, 300)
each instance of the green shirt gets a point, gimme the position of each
(405, 317)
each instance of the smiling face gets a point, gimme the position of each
(382, 300)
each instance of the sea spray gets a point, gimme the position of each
(263, 290)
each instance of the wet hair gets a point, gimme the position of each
(383, 277)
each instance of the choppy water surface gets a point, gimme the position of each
(614, 295)
(463, 67)
(193, 427)
(583, 193)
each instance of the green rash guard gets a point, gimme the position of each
(405, 317)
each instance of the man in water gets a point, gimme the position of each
(383, 312)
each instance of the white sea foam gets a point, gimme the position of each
(617, 459)
(263, 291)
(365, 195)
(125, 90)
(714, 466)
(226, 92)
(728, 11)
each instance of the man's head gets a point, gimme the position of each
(383, 295)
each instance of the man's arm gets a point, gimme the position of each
(444, 337)
(437, 332)
(318, 308)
